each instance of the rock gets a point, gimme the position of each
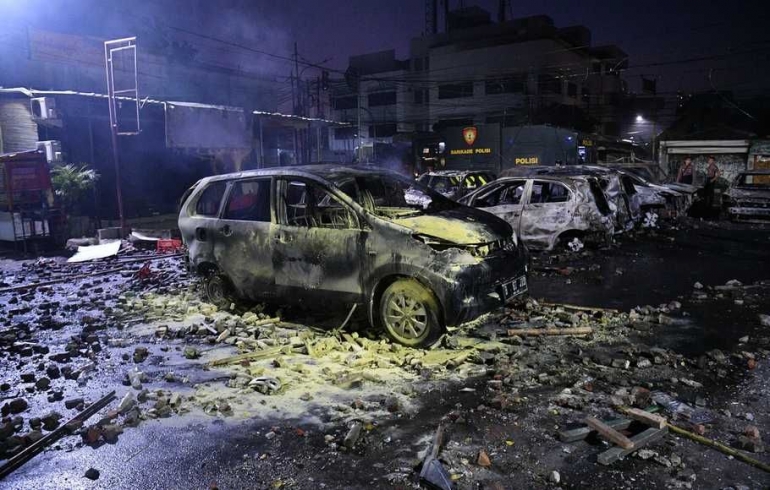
(691, 383)
(110, 432)
(753, 444)
(28, 377)
(127, 403)
(697, 285)
(392, 404)
(764, 320)
(354, 433)
(643, 363)
(554, 477)
(33, 436)
(621, 363)
(73, 402)
(483, 459)
(646, 454)
(743, 339)
(18, 405)
(140, 354)
(749, 416)
(191, 352)
(35, 423)
(51, 420)
(53, 371)
(751, 431)
(92, 474)
(43, 384)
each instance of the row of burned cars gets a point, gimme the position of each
(552, 206)
(419, 256)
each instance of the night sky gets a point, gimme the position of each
(661, 37)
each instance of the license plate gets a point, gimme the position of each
(513, 288)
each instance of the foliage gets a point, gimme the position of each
(72, 182)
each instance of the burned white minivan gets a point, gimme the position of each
(326, 234)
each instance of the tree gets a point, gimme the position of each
(71, 183)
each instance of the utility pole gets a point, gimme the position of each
(295, 108)
(360, 140)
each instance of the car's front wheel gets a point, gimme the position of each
(409, 313)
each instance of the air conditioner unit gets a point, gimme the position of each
(43, 108)
(52, 150)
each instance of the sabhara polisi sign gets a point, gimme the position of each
(470, 135)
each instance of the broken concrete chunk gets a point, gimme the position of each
(353, 435)
(127, 403)
(191, 352)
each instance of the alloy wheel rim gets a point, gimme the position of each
(406, 316)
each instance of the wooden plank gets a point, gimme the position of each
(647, 418)
(582, 432)
(609, 433)
(640, 440)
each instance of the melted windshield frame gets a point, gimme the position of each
(359, 189)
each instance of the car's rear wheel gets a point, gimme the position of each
(409, 313)
(219, 292)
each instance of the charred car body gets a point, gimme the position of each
(748, 197)
(547, 210)
(609, 180)
(323, 233)
(455, 184)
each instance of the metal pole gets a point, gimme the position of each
(114, 134)
(360, 140)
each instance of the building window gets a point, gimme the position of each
(572, 89)
(382, 130)
(452, 123)
(421, 96)
(347, 102)
(418, 64)
(347, 133)
(382, 98)
(512, 85)
(455, 90)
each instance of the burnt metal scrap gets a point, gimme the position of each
(748, 197)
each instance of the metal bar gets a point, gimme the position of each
(640, 440)
(118, 41)
(27, 454)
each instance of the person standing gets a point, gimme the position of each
(712, 174)
(685, 175)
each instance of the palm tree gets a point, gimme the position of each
(71, 183)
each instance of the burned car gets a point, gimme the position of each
(748, 197)
(660, 199)
(609, 180)
(324, 234)
(455, 184)
(546, 211)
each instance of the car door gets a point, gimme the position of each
(504, 200)
(317, 243)
(242, 242)
(547, 212)
(202, 220)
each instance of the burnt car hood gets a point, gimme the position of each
(462, 225)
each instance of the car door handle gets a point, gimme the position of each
(226, 230)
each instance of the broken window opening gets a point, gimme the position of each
(307, 205)
(210, 200)
(548, 193)
(249, 201)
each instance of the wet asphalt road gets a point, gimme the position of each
(199, 452)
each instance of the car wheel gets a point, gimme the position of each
(409, 313)
(218, 290)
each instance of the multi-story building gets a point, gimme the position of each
(522, 71)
